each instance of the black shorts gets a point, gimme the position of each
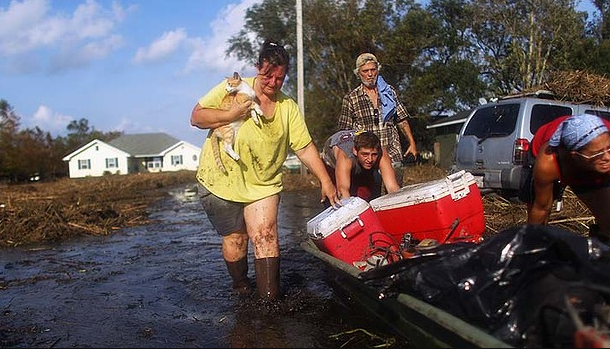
(526, 191)
(526, 188)
(226, 216)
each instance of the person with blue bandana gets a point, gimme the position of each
(572, 151)
(374, 106)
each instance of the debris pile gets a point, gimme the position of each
(577, 86)
(501, 213)
(580, 86)
(67, 208)
(55, 211)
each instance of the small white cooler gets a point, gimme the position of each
(348, 232)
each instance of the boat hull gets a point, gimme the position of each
(421, 323)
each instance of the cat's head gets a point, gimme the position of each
(233, 82)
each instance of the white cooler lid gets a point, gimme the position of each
(333, 219)
(457, 185)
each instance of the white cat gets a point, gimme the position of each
(236, 89)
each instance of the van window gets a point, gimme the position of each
(543, 113)
(495, 121)
(601, 114)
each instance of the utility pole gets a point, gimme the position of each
(300, 97)
(300, 93)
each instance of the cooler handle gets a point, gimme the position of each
(458, 185)
(360, 222)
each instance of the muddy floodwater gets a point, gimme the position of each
(166, 285)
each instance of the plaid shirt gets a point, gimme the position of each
(358, 113)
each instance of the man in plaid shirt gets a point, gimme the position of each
(373, 106)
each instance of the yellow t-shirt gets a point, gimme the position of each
(262, 150)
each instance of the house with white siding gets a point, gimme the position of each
(135, 153)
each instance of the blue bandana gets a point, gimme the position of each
(577, 131)
(388, 104)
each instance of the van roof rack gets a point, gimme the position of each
(542, 94)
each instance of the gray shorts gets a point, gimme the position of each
(226, 216)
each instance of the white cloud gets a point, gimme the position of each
(203, 54)
(66, 59)
(48, 120)
(99, 49)
(161, 48)
(209, 55)
(29, 26)
(129, 126)
(125, 125)
(17, 34)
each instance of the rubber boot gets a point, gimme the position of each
(268, 277)
(239, 273)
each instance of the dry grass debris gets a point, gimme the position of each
(56, 211)
(501, 213)
(578, 86)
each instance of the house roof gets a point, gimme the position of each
(457, 118)
(87, 146)
(144, 144)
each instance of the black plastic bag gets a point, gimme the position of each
(513, 284)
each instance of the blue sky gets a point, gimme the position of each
(136, 66)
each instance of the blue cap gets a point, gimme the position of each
(577, 131)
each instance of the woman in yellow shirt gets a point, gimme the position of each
(242, 204)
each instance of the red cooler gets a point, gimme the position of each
(446, 210)
(349, 232)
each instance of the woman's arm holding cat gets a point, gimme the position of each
(212, 118)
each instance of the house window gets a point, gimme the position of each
(176, 160)
(84, 164)
(154, 163)
(112, 162)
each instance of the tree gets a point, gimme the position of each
(603, 25)
(442, 58)
(80, 133)
(445, 77)
(32, 155)
(9, 125)
(332, 40)
(30, 152)
(521, 41)
(9, 121)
